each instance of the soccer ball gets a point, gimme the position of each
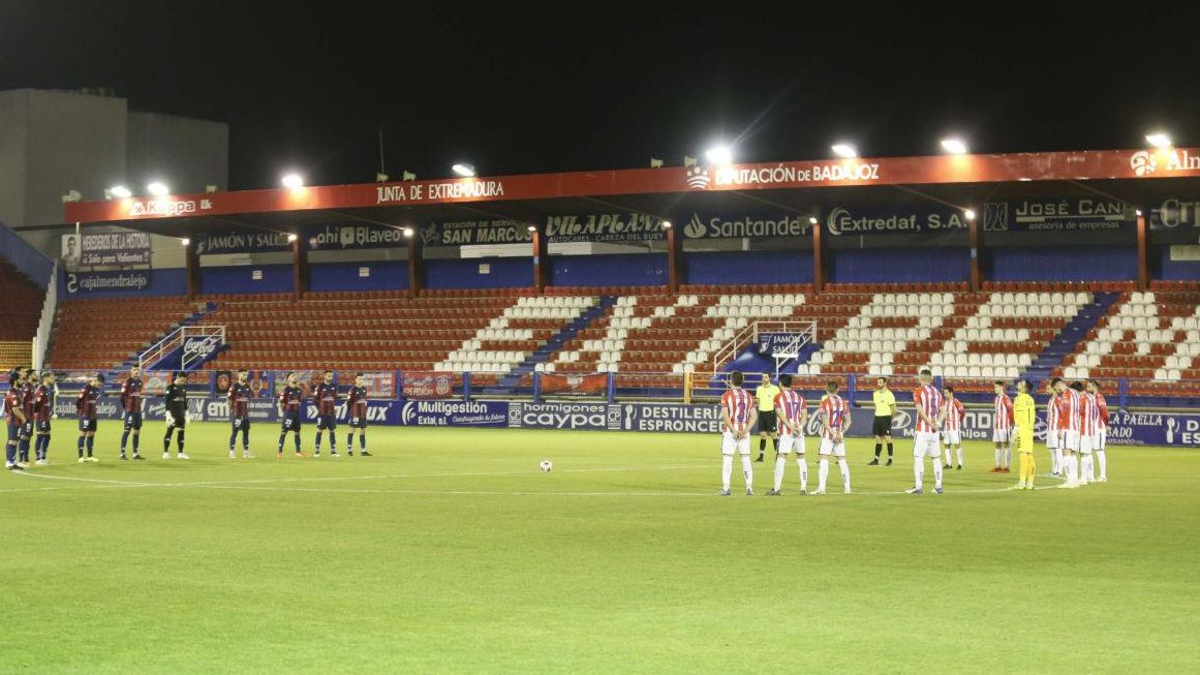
(546, 465)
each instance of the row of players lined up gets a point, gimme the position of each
(1076, 428)
(29, 409)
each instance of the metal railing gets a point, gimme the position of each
(806, 332)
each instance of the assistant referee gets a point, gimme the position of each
(765, 394)
(885, 410)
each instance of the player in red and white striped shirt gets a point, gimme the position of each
(952, 432)
(930, 415)
(791, 413)
(1053, 432)
(738, 415)
(1101, 440)
(835, 420)
(1088, 432)
(1002, 424)
(1070, 421)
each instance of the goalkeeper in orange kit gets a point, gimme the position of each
(1024, 419)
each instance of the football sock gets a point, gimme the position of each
(780, 462)
(726, 471)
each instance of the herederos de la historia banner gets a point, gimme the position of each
(1125, 428)
(106, 249)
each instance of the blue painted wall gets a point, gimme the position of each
(1061, 263)
(1173, 270)
(749, 267)
(635, 269)
(139, 283)
(275, 279)
(384, 276)
(899, 265)
(505, 273)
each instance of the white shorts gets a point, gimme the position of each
(1052, 439)
(828, 447)
(1101, 439)
(925, 444)
(1071, 440)
(729, 444)
(1001, 435)
(789, 444)
(952, 437)
(1086, 443)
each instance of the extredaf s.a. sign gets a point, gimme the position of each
(843, 220)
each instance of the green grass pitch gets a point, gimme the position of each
(449, 552)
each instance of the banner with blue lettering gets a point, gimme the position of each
(1082, 214)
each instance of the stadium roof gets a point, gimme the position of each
(1138, 177)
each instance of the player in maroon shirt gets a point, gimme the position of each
(291, 405)
(15, 420)
(85, 410)
(28, 385)
(325, 396)
(357, 405)
(239, 413)
(131, 411)
(43, 410)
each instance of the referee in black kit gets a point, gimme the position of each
(765, 395)
(885, 409)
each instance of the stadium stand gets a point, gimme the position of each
(650, 338)
(22, 305)
(89, 336)
(1151, 338)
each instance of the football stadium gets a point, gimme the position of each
(928, 413)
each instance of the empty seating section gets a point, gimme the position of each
(101, 334)
(22, 301)
(1151, 338)
(508, 339)
(894, 330)
(13, 354)
(348, 331)
(1007, 333)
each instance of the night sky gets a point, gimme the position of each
(518, 93)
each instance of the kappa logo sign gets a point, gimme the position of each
(165, 207)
